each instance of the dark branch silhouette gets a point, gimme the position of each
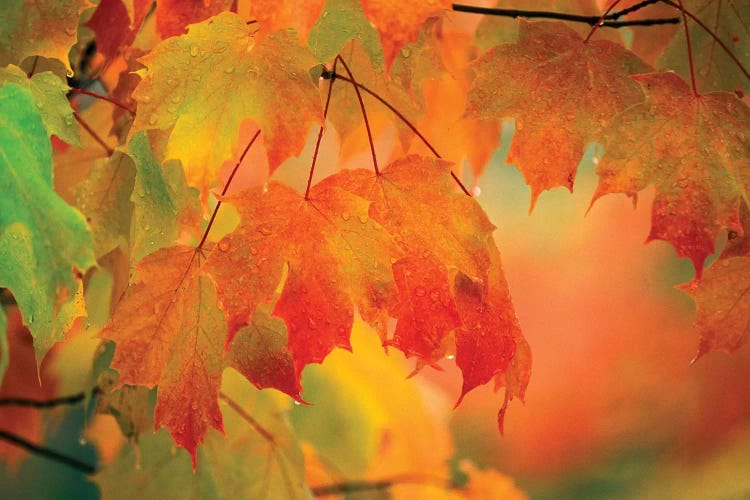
(47, 453)
(576, 18)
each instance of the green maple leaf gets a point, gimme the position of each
(43, 241)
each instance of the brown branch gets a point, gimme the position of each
(330, 75)
(226, 188)
(356, 486)
(542, 14)
(248, 418)
(93, 134)
(713, 35)
(117, 103)
(46, 452)
(320, 133)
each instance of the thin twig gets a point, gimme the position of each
(543, 14)
(47, 453)
(320, 133)
(689, 49)
(248, 418)
(356, 486)
(364, 113)
(226, 188)
(76, 90)
(93, 134)
(330, 74)
(49, 403)
(601, 20)
(713, 35)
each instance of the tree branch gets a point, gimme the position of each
(345, 487)
(49, 403)
(47, 453)
(333, 75)
(543, 14)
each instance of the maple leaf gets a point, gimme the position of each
(721, 296)
(49, 93)
(398, 26)
(275, 15)
(336, 257)
(490, 338)
(162, 202)
(48, 29)
(104, 198)
(561, 91)
(204, 84)
(694, 149)
(340, 22)
(714, 69)
(43, 240)
(112, 34)
(174, 16)
(436, 243)
(170, 333)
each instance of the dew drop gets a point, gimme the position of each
(176, 98)
(345, 216)
(224, 245)
(152, 119)
(194, 50)
(450, 356)
(194, 405)
(70, 31)
(229, 69)
(297, 403)
(82, 440)
(362, 218)
(405, 52)
(69, 73)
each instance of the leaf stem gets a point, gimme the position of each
(226, 188)
(320, 133)
(364, 113)
(248, 418)
(713, 35)
(93, 134)
(689, 48)
(356, 486)
(76, 90)
(590, 20)
(331, 75)
(46, 452)
(601, 20)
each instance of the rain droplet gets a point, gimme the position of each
(345, 216)
(362, 218)
(69, 73)
(297, 403)
(405, 52)
(82, 441)
(229, 69)
(224, 245)
(194, 50)
(152, 119)
(70, 31)
(450, 356)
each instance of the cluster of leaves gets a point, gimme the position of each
(405, 246)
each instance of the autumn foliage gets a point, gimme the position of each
(151, 204)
